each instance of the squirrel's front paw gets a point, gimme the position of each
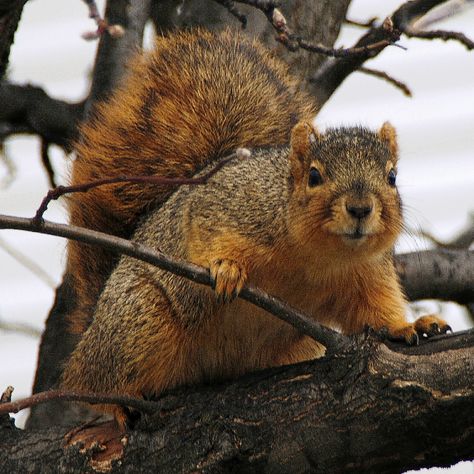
(229, 278)
(430, 325)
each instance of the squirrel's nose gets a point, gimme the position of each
(359, 212)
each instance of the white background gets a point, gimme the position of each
(436, 132)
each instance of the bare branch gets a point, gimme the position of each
(334, 71)
(362, 24)
(59, 191)
(293, 42)
(358, 411)
(329, 338)
(438, 274)
(27, 263)
(25, 329)
(383, 75)
(114, 54)
(28, 109)
(9, 18)
(45, 159)
(143, 406)
(440, 34)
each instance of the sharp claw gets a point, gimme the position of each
(433, 330)
(414, 340)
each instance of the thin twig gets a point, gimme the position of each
(332, 340)
(141, 405)
(56, 193)
(440, 34)
(24, 329)
(383, 75)
(367, 24)
(45, 159)
(115, 31)
(293, 42)
(32, 266)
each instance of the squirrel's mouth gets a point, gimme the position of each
(356, 235)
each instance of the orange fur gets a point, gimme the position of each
(196, 98)
(322, 245)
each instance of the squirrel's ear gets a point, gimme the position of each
(389, 135)
(302, 136)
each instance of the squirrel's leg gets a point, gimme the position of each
(383, 305)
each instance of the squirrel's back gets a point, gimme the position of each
(195, 98)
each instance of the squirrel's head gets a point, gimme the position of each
(344, 198)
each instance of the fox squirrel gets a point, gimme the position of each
(312, 222)
(194, 99)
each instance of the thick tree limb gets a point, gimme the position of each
(368, 408)
(10, 14)
(28, 109)
(114, 54)
(438, 274)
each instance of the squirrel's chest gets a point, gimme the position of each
(307, 288)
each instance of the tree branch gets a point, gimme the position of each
(28, 109)
(386, 77)
(439, 274)
(293, 41)
(10, 15)
(329, 338)
(57, 192)
(114, 54)
(333, 72)
(367, 409)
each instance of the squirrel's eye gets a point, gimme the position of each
(315, 177)
(392, 177)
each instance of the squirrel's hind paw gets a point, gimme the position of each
(229, 278)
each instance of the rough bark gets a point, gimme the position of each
(372, 408)
(113, 54)
(10, 14)
(438, 274)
